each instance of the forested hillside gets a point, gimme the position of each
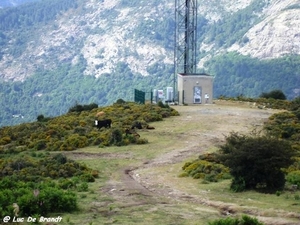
(56, 53)
(10, 3)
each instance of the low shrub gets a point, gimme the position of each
(245, 220)
(294, 177)
(28, 168)
(141, 141)
(275, 94)
(202, 169)
(83, 187)
(33, 198)
(5, 140)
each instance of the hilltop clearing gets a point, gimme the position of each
(142, 183)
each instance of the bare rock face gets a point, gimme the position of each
(278, 34)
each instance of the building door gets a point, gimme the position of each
(197, 94)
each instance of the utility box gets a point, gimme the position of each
(170, 96)
(195, 88)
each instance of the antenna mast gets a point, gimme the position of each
(185, 36)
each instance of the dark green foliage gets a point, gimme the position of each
(229, 30)
(162, 105)
(80, 108)
(66, 183)
(120, 101)
(40, 118)
(256, 162)
(238, 184)
(87, 177)
(27, 168)
(49, 200)
(275, 94)
(34, 198)
(116, 137)
(295, 105)
(236, 74)
(245, 220)
(30, 14)
(29, 182)
(60, 158)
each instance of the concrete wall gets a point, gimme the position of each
(194, 87)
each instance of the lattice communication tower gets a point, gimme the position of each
(185, 37)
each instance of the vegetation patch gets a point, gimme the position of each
(256, 162)
(208, 171)
(245, 220)
(260, 162)
(39, 185)
(77, 129)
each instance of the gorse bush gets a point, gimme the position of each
(284, 125)
(27, 168)
(76, 128)
(209, 171)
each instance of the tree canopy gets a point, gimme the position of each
(256, 162)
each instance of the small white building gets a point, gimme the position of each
(195, 88)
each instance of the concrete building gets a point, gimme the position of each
(195, 88)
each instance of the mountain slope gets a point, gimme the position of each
(105, 32)
(55, 53)
(10, 3)
(277, 34)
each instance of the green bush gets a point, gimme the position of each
(33, 198)
(116, 137)
(202, 169)
(238, 184)
(83, 187)
(120, 101)
(80, 108)
(87, 177)
(245, 220)
(275, 94)
(26, 168)
(258, 161)
(294, 177)
(66, 184)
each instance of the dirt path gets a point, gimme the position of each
(198, 129)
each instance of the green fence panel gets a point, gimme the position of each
(139, 96)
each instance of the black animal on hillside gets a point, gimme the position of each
(137, 125)
(103, 123)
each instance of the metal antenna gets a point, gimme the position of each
(185, 37)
